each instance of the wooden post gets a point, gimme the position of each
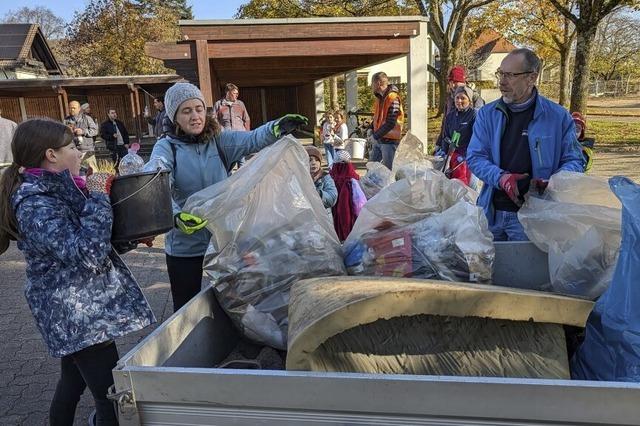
(138, 112)
(62, 101)
(204, 71)
(134, 115)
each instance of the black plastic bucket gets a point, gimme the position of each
(141, 205)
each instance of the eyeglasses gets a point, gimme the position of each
(509, 75)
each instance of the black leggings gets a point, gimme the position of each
(185, 276)
(88, 367)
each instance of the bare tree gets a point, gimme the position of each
(586, 19)
(52, 26)
(447, 29)
(617, 46)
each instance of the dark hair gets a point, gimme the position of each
(531, 60)
(229, 87)
(30, 142)
(160, 98)
(211, 129)
(111, 109)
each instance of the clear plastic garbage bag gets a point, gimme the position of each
(378, 176)
(572, 223)
(269, 229)
(131, 163)
(411, 161)
(427, 228)
(611, 348)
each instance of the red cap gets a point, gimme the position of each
(457, 74)
(579, 119)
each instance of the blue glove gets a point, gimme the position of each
(440, 153)
(288, 124)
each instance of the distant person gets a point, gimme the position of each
(86, 108)
(115, 135)
(231, 112)
(457, 135)
(457, 78)
(388, 118)
(158, 120)
(350, 195)
(7, 127)
(519, 141)
(324, 183)
(328, 136)
(84, 130)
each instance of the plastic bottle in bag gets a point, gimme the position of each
(132, 162)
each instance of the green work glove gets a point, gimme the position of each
(189, 223)
(288, 124)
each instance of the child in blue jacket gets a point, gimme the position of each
(80, 292)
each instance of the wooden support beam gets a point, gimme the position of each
(315, 48)
(299, 62)
(301, 31)
(204, 71)
(168, 51)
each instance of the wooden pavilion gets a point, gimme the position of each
(279, 63)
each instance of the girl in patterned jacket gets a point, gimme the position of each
(80, 292)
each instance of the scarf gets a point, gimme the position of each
(80, 181)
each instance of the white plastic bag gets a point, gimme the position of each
(269, 229)
(578, 223)
(427, 228)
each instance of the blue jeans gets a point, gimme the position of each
(507, 227)
(384, 152)
(330, 153)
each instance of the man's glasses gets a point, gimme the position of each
(509, 75)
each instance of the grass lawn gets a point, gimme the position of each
(605, 132)
(614, 132)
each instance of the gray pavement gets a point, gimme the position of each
(28, 375)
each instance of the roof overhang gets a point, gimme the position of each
(278, 52)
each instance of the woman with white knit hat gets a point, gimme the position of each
(199, 154)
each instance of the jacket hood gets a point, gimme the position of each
(59, 183)
(390, 88)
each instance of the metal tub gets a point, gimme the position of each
(168, 379)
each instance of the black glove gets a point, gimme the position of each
(288, 124)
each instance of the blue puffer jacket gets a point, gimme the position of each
(198, 166)
(552, 144)
(79, 290)
(326, 188)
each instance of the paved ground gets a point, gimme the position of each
(28, 374)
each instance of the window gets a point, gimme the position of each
(394, 80)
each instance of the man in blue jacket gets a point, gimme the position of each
(518, 142)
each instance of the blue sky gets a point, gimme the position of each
(202, 9)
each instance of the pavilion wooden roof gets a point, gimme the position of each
(284, 52)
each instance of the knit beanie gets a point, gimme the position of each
(457, 75)
(342, 156)
(177, 94)
(466, 90)
(579, 119)
(312, 151)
